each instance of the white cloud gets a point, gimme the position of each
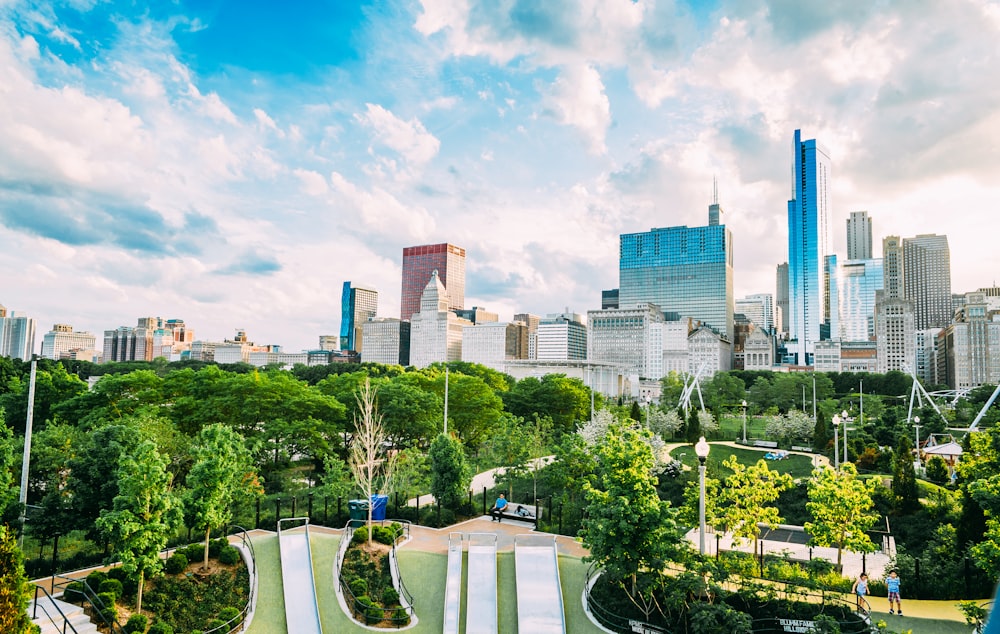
(409, 138)
(313, 183)
(577, 99)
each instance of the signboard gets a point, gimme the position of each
(796, 625)
(644, 628)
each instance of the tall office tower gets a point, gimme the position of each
(17, 336)
(609, 299)
(859, 236)
(926, 350)
(894, 318)
(418, 263)
(477, 315)
(808, 246)
(927, 279)
(626, 337)
(687, 271)
(715, 212)
(561, 337)
(435, 331)
(972, 344)
(493, 343)
(781, 298)
(531, 321)
(329, 343)
(358, 304)
(892, 267)
(61, 340)
(759, 309)
(853, 289)
(387, 341)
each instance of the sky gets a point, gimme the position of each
(231, 163)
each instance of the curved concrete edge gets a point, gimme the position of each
(586, 608)
(393, 570)
(252, 569)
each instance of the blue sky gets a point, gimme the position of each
(232, 163)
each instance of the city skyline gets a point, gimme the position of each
(232, 166)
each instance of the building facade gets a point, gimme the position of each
(418, 264)
(61, 340)
(492, 343)
(561, 337)
(358, 304)
(781, 299)
(623, 337)
(435, 331)
(387, 341)
(854, 287)
(927, 279)
(972, 344)
(708, 352)
(808, 245)
(859, 236)
(688, 271)
(17, 335)
(759, 309)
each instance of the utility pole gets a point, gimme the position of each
(446, 400)
(23, 498)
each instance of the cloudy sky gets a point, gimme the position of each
(232, 163)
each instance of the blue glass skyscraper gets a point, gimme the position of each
(808, 245)
(358, 304)
(683, 270)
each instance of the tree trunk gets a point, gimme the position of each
(138, 594)
(208, 532)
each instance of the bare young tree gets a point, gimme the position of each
(372, 464)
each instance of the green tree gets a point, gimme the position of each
(904, 479)
(412, 414)
(841, 507)
(693, 430)
(145, 512)
(628, 528)
(93, 481)
(745, 500)
(449, 473)
(473, 407)
(937, 470)
(8, 460)
(821, 433)
(15, 591)
(635, 413)
(221, 471)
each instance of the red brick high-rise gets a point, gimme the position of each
(418, 264)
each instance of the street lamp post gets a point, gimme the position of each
(744, 422)
(701, 448)
(916, 446)
(843, 415)
(836, 442)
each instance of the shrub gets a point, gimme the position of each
(372, 613)
(360, 535)
(229, 555)
(213, 624)
(216, 545)
(111, 585)
(130, 584)
(160, 627)
(176, 564)
(401, 617)
(95, 578)
(194, 552)
(228, 614)
(110, 610)
(359, 587)
(390, 597)
(73, 592)
(136, 624)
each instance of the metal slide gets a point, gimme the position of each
(539, 594)
(481, 608)
(301, 607)
(453, 586)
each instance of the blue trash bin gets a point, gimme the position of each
(380, 503)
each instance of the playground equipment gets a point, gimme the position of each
(539, 593)
(481, 588)
(301, 607)
(453, 585)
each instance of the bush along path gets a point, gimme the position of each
(366, 578)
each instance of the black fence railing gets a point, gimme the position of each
(93, 606)
(365, 612)
(235, 624)
(54, 616)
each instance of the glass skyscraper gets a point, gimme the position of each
(357, 305)
(418, 264)
(688, 271)
(853, 288)
(808, 246)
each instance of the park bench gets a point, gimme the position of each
(800, 448)
(770, 444)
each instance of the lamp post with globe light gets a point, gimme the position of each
(843, 415)
(916, 446)
(836, 442)
(701, 449)
(744, 421)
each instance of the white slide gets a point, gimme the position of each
(481, 608)
(453, 586)
(539, 595)
(301, 607)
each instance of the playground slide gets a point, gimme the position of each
(301, 607)
(481, 610)
(453, 586)
(539, 595)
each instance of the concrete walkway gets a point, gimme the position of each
(487, 479)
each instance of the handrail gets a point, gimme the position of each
(35, 606)
(94, 602)
(234, 624)
(362, 612)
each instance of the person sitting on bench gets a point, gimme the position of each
(499, 508)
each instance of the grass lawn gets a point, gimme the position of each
(730, 425)
(796, 466)
(270, 614)
(424, 575)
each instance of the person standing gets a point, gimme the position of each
(498, 508)
(860, 589)
(892, 585)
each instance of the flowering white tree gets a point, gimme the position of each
(594, 430)
(707, 422)
(795, 426)
(664, 424)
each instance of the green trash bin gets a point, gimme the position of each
(358, 511)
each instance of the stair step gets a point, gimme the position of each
(51, 622)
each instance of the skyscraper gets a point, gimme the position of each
(894, 323)
(688, 271)
(781, 299)
(808, 246)
(853, 288)
(927, 279)
(17, 335)
(62, 340)
(358, 304)
(859, 236)
(418, 264)
(435, 331)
